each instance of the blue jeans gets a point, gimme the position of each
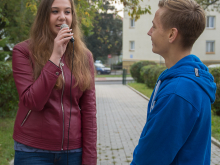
(38, 158)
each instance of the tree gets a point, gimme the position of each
(214, 4)
(107, 34)
(16, 18)
(3, 42)
(135, 9)
(14, 27)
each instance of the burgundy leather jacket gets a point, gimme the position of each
(43, 116)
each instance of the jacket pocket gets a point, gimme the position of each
(25, 119)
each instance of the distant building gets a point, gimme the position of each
(137, 44)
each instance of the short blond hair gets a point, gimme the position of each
(185, 15)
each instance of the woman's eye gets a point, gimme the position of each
(55, 11)
(67, 12)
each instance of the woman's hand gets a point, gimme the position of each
(60, 44)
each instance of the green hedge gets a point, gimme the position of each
(216, 74)
(136, 67)
(151, 73)
(117, 66)
(8, 92)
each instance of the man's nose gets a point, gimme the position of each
(149, 32)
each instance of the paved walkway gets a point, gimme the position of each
(121, 115)
(112, 79)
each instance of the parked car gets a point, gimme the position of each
(98, 62)
(213, 66)
(101, 69)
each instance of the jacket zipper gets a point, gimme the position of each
(62, 64)
(26, 117)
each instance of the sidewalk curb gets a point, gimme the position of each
(214, 141)
(145, 97)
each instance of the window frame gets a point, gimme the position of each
(213, 48)
(132, 21)
(130, 45)
(208, 20)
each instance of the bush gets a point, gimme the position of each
(8, 92)
(136, 67)
(216, 74)
(117, 66)
(151, 73)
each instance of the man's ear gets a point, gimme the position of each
(173, 35)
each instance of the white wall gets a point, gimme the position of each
(143, 44)
(199, 47)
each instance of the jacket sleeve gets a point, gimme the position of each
(167, 129)
(33, 94)
(87, 105)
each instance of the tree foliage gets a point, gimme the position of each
(135, 9)
(107, 34)
(212, 4)
(8, 92)
(15, 20)
(16, 17)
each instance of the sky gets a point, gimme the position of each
(119, 6)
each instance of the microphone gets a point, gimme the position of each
(63, 26)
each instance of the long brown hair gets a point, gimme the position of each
(41, 47)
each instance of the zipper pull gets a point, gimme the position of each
(61, 64)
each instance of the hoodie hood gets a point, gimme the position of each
(192, 68)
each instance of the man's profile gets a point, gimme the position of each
(178, 127)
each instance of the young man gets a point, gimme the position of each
(178, 127)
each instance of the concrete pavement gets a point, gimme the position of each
(112, 79)
(121, 115)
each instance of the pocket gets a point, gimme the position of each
(26, 117)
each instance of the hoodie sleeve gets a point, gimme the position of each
(167, 129)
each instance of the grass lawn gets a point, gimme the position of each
(142, 88)
(147, 92)
(216, 127)
(6, 141)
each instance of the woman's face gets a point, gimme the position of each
(61, 13)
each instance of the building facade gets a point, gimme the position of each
(137, 44)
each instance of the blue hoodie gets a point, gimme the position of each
(178, 127)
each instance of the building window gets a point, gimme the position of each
(132, 23)
(132, 45)
(210, 47)
(210, 22)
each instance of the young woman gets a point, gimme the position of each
(47, 130)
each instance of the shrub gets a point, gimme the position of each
(117, 66)
(136, 67)
(151, 73)
(8, 92)
(216, 74)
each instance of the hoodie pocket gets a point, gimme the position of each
(26, 117)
